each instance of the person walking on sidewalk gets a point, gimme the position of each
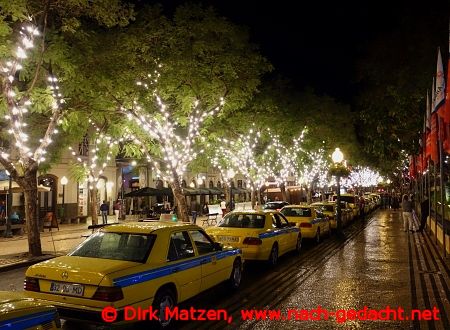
(424, 213)
(407, 213)
(104, 209)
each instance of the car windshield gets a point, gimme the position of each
(116, 246)
(296, 212)
(243, 221)
(274, 205)
(348, 199)
(327, 208)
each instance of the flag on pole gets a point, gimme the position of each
(439, 92)
(433, 150)
(447, 91)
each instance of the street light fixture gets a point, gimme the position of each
(63, 181)
(337, 158)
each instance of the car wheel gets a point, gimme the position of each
(236, 275)
(298, 245)
(318, 236)
(273, 257)
(164, 298)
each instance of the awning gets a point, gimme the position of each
(149, 191)
(215, 191)
(273, 190)
(235, 191)
(188, 191)
(15, 188)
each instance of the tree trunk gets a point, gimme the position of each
(253, 195)
(226, 191)
(93, 202)
(29, 184)
(283, 192)
(308, 195)
(182, 209)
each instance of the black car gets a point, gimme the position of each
(277, 205)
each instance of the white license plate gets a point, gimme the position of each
(65, 288)
(232, 239)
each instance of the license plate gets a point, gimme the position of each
(233, 239)
(68, 289)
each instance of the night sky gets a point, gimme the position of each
(317, 44)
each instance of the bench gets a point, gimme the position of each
(79, 219)
(16, 229)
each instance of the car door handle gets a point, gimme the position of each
(175, 270)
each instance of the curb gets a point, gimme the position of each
(26, 263)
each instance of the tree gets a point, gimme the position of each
(26, 97)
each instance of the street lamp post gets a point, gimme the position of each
(64, 181)
(8, 231)
(230, 176)
(337, 158)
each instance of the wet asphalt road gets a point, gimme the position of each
(367, 266)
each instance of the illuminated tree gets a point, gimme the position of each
(21, 153)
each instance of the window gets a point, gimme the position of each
(243, 221)
(279, 222)
(180, 246)
(239, 183)
(117, 246)
(203, 243)
(296, 212)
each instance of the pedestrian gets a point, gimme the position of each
(104, 209)
(362, 203)
(232, 204)
(116, 209)
(424, 213)
(2, 210)
(258, 207)
(395, 202)
(223, 206)
(407, 213)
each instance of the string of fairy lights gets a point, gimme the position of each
(95, 165)
(277, 161)
(177, 149)
(18, 104)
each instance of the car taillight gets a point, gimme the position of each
(31, 284)
(305, 225)
(252, 241)
(108, 293)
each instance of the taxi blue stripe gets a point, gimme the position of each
(145, 276)
(28, 321)
(278, 232)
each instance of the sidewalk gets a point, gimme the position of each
(14, 250)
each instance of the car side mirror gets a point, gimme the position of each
(292, 224)
(217, 246)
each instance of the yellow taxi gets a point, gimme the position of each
(352, 201)
(261, 235)
(17, 311)
(312, 222)
(329, 209)
(134, 265)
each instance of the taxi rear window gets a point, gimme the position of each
(116, 246)
(243, 221)
(296, 212)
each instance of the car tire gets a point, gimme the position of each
(236, 275)
(318, 236)
(273, 256)
(165, 297)
(298, 244)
